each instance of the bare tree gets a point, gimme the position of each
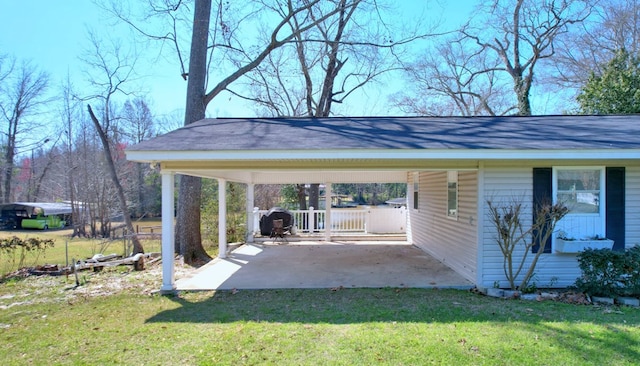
(72, 166)
(517, 240)
(614, 25)
(328, 63)
(22, 93)
(521, 34)
(114, 70)
(222, 44)
(450, 79)
(138, 126)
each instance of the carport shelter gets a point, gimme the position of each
(452, 166)
(11, 214)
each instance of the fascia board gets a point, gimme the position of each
(441, 154)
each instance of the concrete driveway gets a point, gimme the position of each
(324, 265)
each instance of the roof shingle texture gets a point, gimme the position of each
(334, 133)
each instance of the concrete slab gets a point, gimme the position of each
(325, 265)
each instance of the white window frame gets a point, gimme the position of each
(601, 204)
(452, 177)
(601, 214)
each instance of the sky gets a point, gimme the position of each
(53, 34)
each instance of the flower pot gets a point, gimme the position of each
(577, 246)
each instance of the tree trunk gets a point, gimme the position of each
(8, 173)
(522, 89)
(137, 246)
(188, 235)
(314, 195)
(302, 196)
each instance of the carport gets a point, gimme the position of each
(335, 264)
(286, 151)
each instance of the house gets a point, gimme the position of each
(452, 166)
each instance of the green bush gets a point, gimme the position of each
(631, 272)
(609, 273)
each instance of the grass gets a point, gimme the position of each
(113, 317)
(48, 320)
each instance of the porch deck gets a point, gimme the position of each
(337, 237)
(313, 264)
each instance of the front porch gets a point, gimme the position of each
(334, 264)
(345, 223)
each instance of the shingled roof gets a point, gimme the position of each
(365, 133)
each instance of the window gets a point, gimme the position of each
(452, 194)
(580, 189)
(416, 189)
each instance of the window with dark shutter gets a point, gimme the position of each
(615, 210)
(542, 191)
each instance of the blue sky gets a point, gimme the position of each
(52, 35)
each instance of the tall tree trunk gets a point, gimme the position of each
(188, 234)
(302, 196)
(137, 246)
(522, 89)
(8, 173)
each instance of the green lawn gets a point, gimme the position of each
(113, 317)
(48, 321)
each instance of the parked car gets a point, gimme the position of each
(43, 222)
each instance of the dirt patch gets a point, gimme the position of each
(22, 287)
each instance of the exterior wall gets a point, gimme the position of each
(452, 241)
(632, 213)
(504, 184)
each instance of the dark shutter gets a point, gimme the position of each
(542, 191)
(615, 192)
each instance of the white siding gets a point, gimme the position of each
(472, 251)
(632, 212)
(452, 241)
(504, 184)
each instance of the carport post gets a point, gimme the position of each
(327, 216)
(168, 239)
(222, 218)
(250, 221)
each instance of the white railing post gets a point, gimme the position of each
(367, 221)
(311, 220)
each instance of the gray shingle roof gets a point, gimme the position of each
(334, 133)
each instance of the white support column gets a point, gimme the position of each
(222, 218)
(250, 214)
(168, 233)
(409, 205)
(327, 216)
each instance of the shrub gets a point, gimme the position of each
(512, 235)
(609, 273)
(14, 251)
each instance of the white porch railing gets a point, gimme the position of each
(368, 221)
